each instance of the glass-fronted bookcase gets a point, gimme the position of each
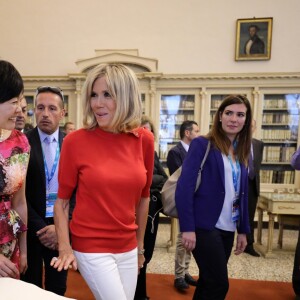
(279, 132)
(174, 109)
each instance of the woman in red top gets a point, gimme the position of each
(110, 162)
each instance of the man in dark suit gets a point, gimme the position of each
(188, 131)
(257, 148)
(254, 45)
(41, 190)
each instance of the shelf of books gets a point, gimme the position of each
(215, 102)
(173, 111)
(279, 132)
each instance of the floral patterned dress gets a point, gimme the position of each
(14, 157)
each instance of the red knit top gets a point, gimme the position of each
(111, 172)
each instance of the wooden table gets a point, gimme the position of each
(282, 205)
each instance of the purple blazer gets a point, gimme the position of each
(203, 208)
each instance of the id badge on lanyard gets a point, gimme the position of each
(50, 196)
(235, 211)
(50, 201)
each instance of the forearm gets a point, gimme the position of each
(61, 221)
(141, 221)
(22, 243)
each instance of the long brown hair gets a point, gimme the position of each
(243, 138)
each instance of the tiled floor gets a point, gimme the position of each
(243, 266)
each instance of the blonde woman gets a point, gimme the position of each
(110, 161)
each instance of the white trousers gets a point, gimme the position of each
(109, 276)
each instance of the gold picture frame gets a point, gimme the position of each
(253, 39)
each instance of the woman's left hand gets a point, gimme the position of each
(188, 240)
(141, 260)
(241, 243)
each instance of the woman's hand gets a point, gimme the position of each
(23, 263)
(141, 261)
(189, 240)
(241, 243)
(8, 268)
(64, 261)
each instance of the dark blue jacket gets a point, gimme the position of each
(203, 208)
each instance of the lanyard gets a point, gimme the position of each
(235, 175)
(55, 163)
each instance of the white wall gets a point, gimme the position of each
(186, 36)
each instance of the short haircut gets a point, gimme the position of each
(186, 125)
(124, 88)
(253, 26)
(11, 83)
(68, 123)
(145, 120)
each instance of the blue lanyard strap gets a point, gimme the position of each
(235, 174)
(55, 163)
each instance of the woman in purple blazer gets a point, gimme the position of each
(210, 216)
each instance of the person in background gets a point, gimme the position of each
(69, 127)
(28, 127)
(295, 162)
(255, 159)
(188, 131)
(210, 216)
(254, 45)
(113, 175)
(14, 156)
(155, 206)
(22, 117)
(41, 190)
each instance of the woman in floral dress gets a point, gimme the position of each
(14, 156)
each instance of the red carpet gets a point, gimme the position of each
(160, 287)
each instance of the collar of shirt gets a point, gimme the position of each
(185, 146)
(43, 135)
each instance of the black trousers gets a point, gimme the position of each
(37, 257)
(252, 202)
(212, 251)
(149, 243)
(296, 270)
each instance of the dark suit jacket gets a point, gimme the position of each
(175, 158)
(257, 47)
(36, 183)
(258, 148)
(202, 209)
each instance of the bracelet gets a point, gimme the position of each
(141, 251)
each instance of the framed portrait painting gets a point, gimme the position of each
(253, 39)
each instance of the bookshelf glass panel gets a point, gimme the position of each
(280, 124)
(173, 111)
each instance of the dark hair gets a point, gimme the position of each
(11, 83)
(67, 123)
(145, 119)
(254, 26)
(186, 125)
(217, 134)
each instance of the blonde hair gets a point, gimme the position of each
(124, 88)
